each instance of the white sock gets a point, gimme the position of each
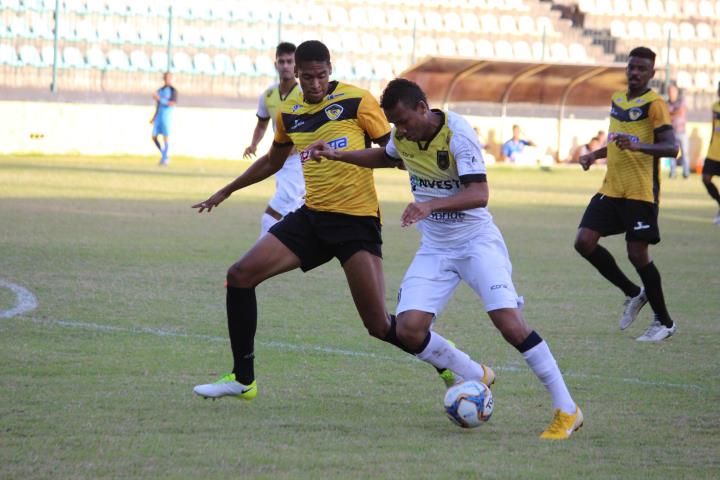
(544, 366)
(266, 222)
(441, 354)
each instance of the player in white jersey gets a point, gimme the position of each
(459, 241)
(289, 181)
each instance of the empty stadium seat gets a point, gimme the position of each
(140, 61)
(85, 31)
(223, 64)
(703, 31)
(244, 65)
(522, 51)
(503, 50)
(577, 53)
(489, 23)
(452, 22)
(635, 29)
(558, 52)
(265, 66)
(182, 62)
(426, 46)
(507, 25)
(29, 55)
(118, 60)
(684, 80)
(94, 58)
(47, 54)
(545, 24)
(41, 28)
(72, 58)
(687, 31)
(702, 81)
(686, 56)
(653, 31)
(470, 22)
(364, 70)
(433, 20)
(406, 44)
(446, 47)
(617, 29)
(8, 56)
(376, 17)
(689, 8)
(358, 16)
(318, 15)
(18, 27)
(370, 42)
(383, 70)
(203, 64)
(484, 49)
(338, 15)
(395, 20)
(540, 52)
(703, 56)
(390, 43)
(526, 25)
(127, 33)
(343, 69)
(465, 48)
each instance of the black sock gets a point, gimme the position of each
(653, 289)
(604, 262)
(242, 324)
(391, 337)
(713, 191)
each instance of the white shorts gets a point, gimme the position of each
(482, 263)
(289, 187)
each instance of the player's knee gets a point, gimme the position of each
(240, 277)
(377, 330)
(583, 246)
(638, 257)
(411, 334)
(707, 179)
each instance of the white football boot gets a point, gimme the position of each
(632, 308)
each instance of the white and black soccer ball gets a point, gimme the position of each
(469, 404)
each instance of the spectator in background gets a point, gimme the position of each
(487, 156)
(589, 147)
(678, 112)
(513, 150)
(165, 100)
(601, 138)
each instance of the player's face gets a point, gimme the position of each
(314, 78)
(410, 122)
(639, 72)
(285, 66)
(167, 78)
(672, 93)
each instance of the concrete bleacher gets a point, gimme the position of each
(233, 42)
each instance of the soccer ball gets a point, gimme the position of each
(469, 404)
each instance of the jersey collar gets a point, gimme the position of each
(436, 132)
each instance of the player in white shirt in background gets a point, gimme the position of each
(459, 242)
(289, 181)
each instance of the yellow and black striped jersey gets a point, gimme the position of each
(348, 118)
(714, 150)
(635, 175)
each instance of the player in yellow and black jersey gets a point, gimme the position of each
(640, 134)
(340, 218)
(712, 161)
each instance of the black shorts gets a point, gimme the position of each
(316, 237)
(610, 216)
(711, 167)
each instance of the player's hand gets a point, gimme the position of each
(586, 160)
(249, 151)
(415, 212)
(216, 199)
(319, 150)
(156, 97)
(624, 142)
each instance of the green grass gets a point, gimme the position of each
(97, 381)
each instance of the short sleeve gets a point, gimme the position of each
(390, 149)
(371, 118)
(262, 111)
(466, 150)
(659, 115)
(281, 137)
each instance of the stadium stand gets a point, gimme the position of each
(227, 46)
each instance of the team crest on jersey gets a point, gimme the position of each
(443, 159)
(269, 93)
(296, 108)
(334, 111)
(635, 113)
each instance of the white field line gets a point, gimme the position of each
(27, 302)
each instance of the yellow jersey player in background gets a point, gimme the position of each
(640, 133)
(340, 218)
(289, 182)
(460, 241)
(711, 166)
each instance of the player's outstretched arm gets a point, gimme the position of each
(368, 158)
(258, 134)
(589, 158)
(475, 195)
(260, 169)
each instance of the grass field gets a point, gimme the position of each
(97, 381)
